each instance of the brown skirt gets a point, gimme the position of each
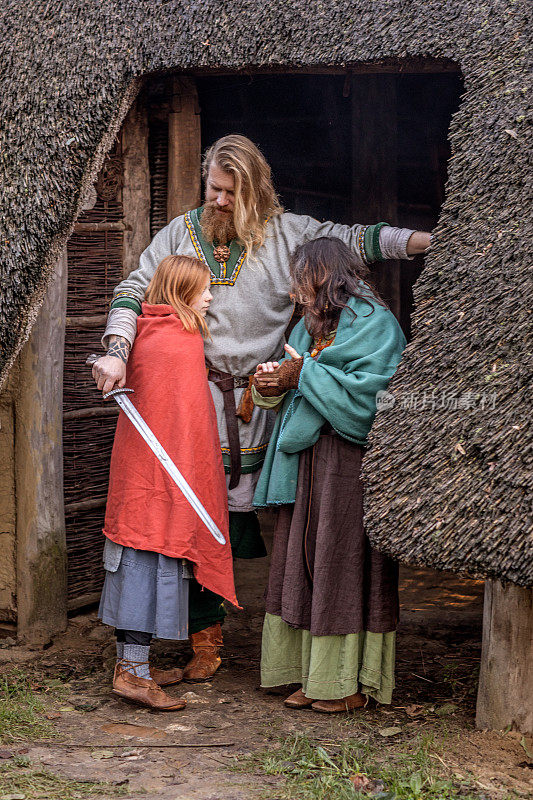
(324, 575)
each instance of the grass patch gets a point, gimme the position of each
(21, 710)
(359, 768)
(18, 778)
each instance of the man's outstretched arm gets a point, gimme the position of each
(370, 243)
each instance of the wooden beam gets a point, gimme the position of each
(386, 66)
(505, 692)
(93, 321)
(8, 511)
(94, 411)
(374, 167)
(184, 149)
(85, 505)
(136, 187)
(41, 544)
(84, 600)
(98, 227)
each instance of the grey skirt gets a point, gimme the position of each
(147, 592)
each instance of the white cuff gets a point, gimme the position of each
(120, 322)
(393, 242)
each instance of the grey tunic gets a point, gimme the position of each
(248, 314)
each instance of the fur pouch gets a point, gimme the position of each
(246, 406)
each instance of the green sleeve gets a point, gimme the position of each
(266, 402)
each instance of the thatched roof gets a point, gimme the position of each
(445, 488)
(449, 475)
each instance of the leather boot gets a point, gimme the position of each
(142, 690)
(349, 703)
(298, 700)
(205, 661)
(166, 677)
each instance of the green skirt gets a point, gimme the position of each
(328, 667)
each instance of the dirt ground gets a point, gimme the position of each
(100, 737)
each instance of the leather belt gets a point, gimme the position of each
(227, 383)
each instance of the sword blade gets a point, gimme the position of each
(164, 459)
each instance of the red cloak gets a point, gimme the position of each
(145, 509)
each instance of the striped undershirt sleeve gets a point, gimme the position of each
(124, 300)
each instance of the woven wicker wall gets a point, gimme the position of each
(94, 268)
(158, 155)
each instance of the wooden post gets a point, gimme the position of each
(184, 149)
(374, 167)
(8, 508)
(505, 692)
(136, 188)
(41, 545)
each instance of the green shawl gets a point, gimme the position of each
(338, 387)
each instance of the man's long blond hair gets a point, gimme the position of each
(255, 199)
(176, 282)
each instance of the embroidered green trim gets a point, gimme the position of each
(252, 459)
(259, 449)
(126, 301)
(246, 469)
(372, 248)
(225, 273)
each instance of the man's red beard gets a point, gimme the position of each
(217, 227)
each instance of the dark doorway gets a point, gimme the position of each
(332, 158)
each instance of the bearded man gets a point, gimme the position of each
(243, 234)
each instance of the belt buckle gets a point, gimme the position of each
(240, 383)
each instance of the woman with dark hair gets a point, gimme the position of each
(332, 600)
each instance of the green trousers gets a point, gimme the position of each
(207, 608)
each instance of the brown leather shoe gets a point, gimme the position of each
(143, 691)
(298, 700)
(166, 677)
(205, 661)
(344, 704)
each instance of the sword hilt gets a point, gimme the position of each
(113, 392)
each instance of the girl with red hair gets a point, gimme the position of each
(156, 545)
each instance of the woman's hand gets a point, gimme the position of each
(292, 352)
(271, 366)
(268, 366)
(272, 380)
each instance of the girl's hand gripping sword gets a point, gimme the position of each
(121, 397)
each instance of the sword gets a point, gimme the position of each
(121, 398)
